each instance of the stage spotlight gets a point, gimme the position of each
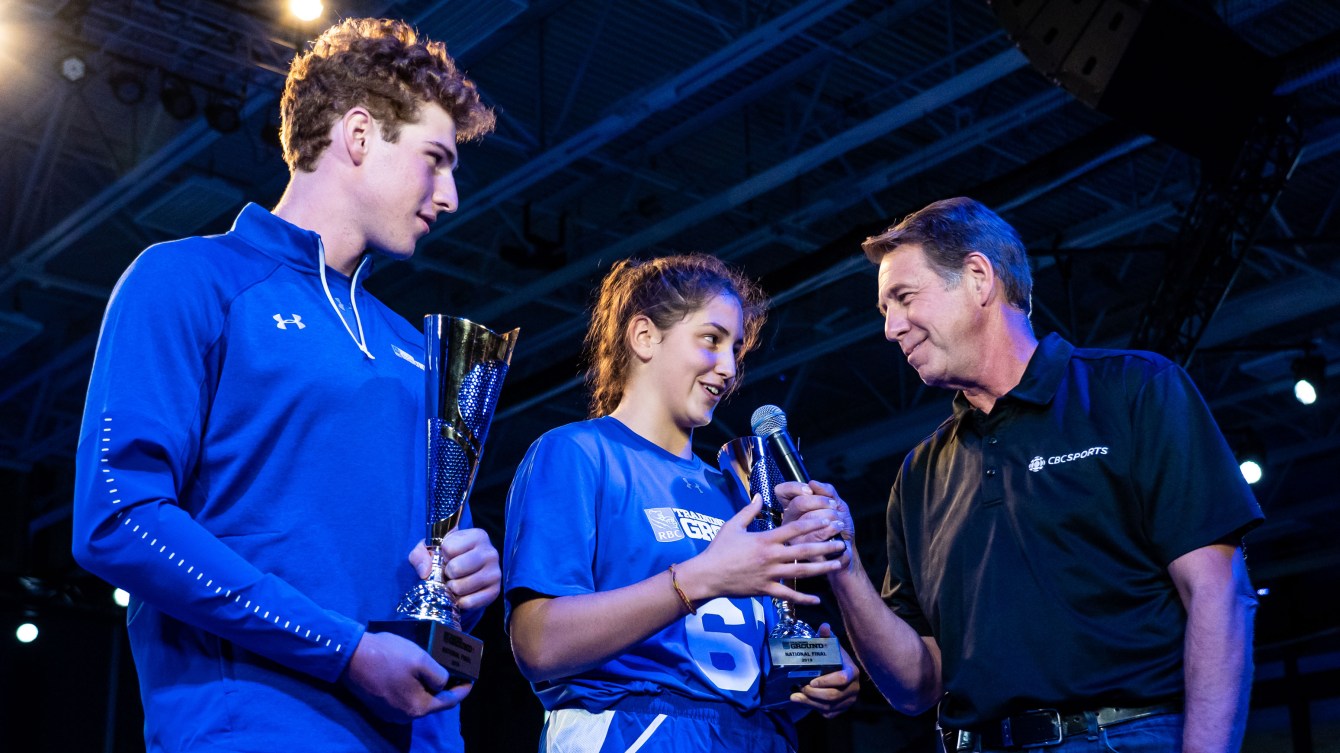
(73, 68)
(1251, 470)
(306, 10)
(1251, 455)
(121, 597)
(224, 114)
(26, 633)
(176, 98)
(1310, 373)
(127, 87)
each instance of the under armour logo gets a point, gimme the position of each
(283, 323)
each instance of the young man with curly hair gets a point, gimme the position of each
(250, 461)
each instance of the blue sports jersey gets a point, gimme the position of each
(595, 507)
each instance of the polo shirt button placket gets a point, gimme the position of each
(991, 487)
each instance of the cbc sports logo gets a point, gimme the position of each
(1039, 462)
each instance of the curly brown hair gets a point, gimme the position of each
(378, 63)
(666, 290)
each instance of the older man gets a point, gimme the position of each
(1064, 551)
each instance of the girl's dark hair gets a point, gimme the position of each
(665, 290)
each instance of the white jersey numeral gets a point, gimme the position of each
(730, 663)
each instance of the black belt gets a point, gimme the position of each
(1041, 727)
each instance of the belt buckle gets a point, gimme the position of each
(1049, 715)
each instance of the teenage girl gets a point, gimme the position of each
(638, 603)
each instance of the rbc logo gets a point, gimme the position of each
(283, 323)
(664, 525)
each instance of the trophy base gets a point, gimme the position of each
(794, 662)
(459, 653)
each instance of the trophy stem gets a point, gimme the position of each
(788, 625)
(436, 574)
(430, 599)
(438, 529)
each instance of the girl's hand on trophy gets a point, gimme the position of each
(470, 568)
(739, 562)
(834, 692)
(398, 680)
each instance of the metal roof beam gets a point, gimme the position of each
(144, 177)
(690, 81)
(837, 198)
(950, 90)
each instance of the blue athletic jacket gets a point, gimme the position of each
(250, 470)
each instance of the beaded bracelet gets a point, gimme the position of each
(674, 582)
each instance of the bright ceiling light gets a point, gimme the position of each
(306, 10)
(1310, 373)
(121, 597)
(1251, 471)
(27, 633)
(1305, 392)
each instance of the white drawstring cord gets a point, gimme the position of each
(353, 299)
(358, 339)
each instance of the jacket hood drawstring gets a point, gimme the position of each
(360, 340)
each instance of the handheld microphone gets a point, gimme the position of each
(769, 422)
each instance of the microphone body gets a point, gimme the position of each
(788, 457)
(769, 422)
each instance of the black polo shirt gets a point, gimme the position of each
(1033, 542)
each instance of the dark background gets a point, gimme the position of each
(1172, 168)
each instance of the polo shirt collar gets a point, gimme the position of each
(1041, 377)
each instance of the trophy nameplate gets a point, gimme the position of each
(458, 652)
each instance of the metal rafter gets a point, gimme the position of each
(836, 197)
(1215, 237)
(864, 132)
(632, 113)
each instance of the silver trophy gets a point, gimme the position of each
(465, 364)
(796, 652)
